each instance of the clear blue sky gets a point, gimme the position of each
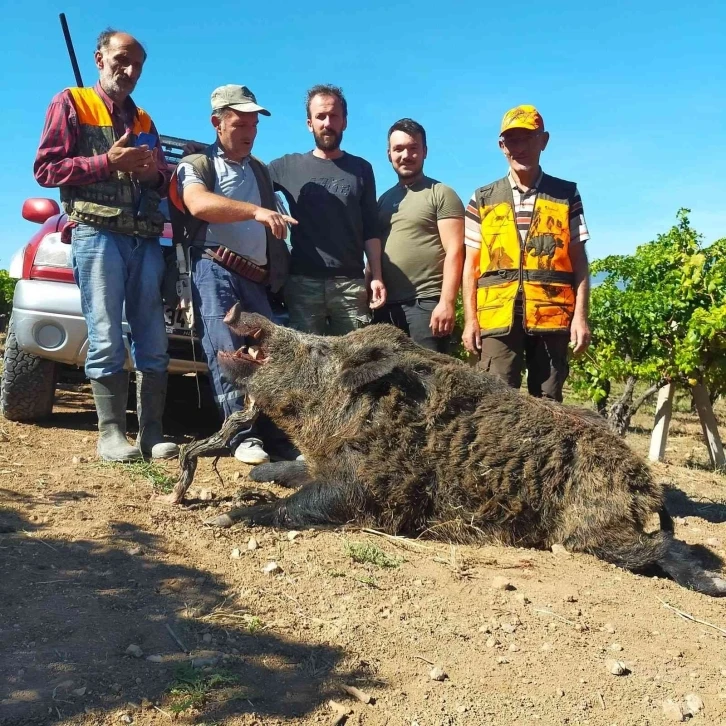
(632, 93)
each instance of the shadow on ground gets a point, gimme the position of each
(72, 409)
(8, 495)
(190, 413)
(679, 504)
(70, 609)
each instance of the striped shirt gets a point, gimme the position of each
(523, 209)
(56, 163)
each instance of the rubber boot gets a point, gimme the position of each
(110, 395)
(150, 400)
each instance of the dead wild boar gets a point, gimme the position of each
(413, 442)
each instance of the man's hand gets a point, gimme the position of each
(442, 319)
(377, 294)
(193, 147)
(274, 220)
(579, 335)
(130, 159)
(150, 175)
(471, 337)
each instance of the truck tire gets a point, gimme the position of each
(28, 383)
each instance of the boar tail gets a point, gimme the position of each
(666, 521)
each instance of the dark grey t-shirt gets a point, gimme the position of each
(334, 202)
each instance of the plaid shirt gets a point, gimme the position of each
(523, 209)
(55, 163)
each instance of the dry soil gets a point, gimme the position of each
(90, 565)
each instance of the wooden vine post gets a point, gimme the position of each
(663, 412)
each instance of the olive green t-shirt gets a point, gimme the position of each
(413, 256)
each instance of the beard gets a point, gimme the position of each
(328, 140)
(116, 87)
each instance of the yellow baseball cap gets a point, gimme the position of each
(522, 117)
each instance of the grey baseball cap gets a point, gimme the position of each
(240, 98)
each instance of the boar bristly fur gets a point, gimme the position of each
(416, 443)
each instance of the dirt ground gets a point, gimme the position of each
(90, 566)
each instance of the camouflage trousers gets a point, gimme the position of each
(326, 306)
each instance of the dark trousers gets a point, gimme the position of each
(413, 318)
(545, 357)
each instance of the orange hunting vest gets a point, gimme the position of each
(539, 268)
(113, 203)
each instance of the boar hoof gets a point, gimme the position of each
(224, 520)
(717, 582)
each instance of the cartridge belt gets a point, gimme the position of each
(232, 262)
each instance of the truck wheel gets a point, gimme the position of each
(28, 383)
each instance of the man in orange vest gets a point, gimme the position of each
(111, 186)
(526, 277)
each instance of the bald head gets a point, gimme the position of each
(120, 59)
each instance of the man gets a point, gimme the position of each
(526, 277)
(422, 230)
(229, 193)
(110, 188)
(332, 194)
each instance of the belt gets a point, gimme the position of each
(546, 277)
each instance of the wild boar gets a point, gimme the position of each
(416, 443)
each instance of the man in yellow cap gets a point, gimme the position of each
(526, 277)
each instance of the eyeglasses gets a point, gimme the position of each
(520, 139)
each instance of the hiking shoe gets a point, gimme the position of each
(293, 457)
(250, 451)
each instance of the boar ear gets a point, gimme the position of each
(366, 365)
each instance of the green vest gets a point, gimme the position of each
(115, 204)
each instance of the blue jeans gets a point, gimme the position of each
(214, 292)
(112, 269)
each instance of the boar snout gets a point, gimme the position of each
(247, 324)
(233, 314)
